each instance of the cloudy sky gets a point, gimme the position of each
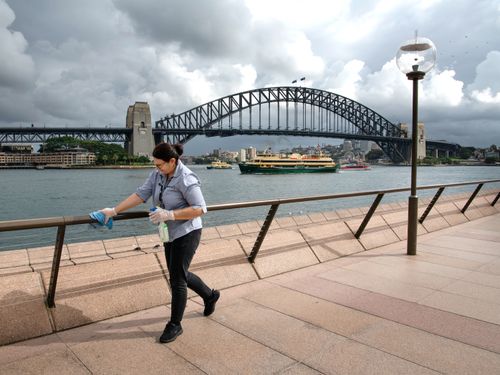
(74, 63)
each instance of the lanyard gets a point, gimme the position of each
(162, 189)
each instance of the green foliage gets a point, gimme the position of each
(490, 160)
(106, 153)
(465, 152)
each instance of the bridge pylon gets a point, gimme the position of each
(139, 120)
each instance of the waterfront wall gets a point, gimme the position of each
(103, 279)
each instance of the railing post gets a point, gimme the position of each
(263, 232)
(495, 200)
(472, 198)
(429, 207)
(61, 229)
(369, 215)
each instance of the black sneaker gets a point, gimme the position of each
(170, 332)
(210, 303)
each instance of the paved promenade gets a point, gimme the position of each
(373, 312)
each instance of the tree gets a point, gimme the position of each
(465, 152)
(105, 152)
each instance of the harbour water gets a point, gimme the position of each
(28, 194)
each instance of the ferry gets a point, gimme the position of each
(293, 163)
(219, 165)
(355, 167)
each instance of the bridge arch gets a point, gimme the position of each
(327, 113)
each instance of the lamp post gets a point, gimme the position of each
(415, 58)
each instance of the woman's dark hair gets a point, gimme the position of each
(166, 151)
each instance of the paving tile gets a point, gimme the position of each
(462, 242)
(124, 326)
(442, 323)
(318, 348)
(301, 220)
(418, 263)
(14, 258)
(377, 232)
(276, 330)
(322, 288)
(377, 284)
(331, 240)
(491, 268)
(327, 315)
(282, 250)
(222, 263)
(458, 304)
(317, 217)
(116, 246)
(455, 262)
(451, 213)
(343, 214)
(432, 351)
(149, 243)
(249, 227)
(15, 270)
(92, 292)
(483, 279)
(351, 357)
(299, 369)
(134, 352)
(22, 308)
(398, 222)
(48, 265)
(86, 249)
(405, 275)
(59, 362)
(45, 254)
(331, 215)
(228, 230)
(456, 253)
(209, 233)
(30, 348)
(480, 234)
(216, 349)
(434, 221)
(484, 206)
(274, 224)
(286, 222)
(472, 290)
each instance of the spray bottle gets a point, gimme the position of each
(162, 228)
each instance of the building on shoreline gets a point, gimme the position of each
(68, 157)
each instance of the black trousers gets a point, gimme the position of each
(179, 254)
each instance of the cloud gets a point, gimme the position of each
(16, 67)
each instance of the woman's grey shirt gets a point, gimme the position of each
(181, 191)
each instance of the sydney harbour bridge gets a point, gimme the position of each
(273, 111)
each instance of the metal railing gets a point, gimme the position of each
(62, 222)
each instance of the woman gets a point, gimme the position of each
(175, 189)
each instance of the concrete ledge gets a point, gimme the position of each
(377, 232)
(22, 310)
(331, 241)
(398, 222)
(95, 291)
(282, 250)
(222, 264)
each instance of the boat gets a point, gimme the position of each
(355, 167)
(284, 164)
(219, 165)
